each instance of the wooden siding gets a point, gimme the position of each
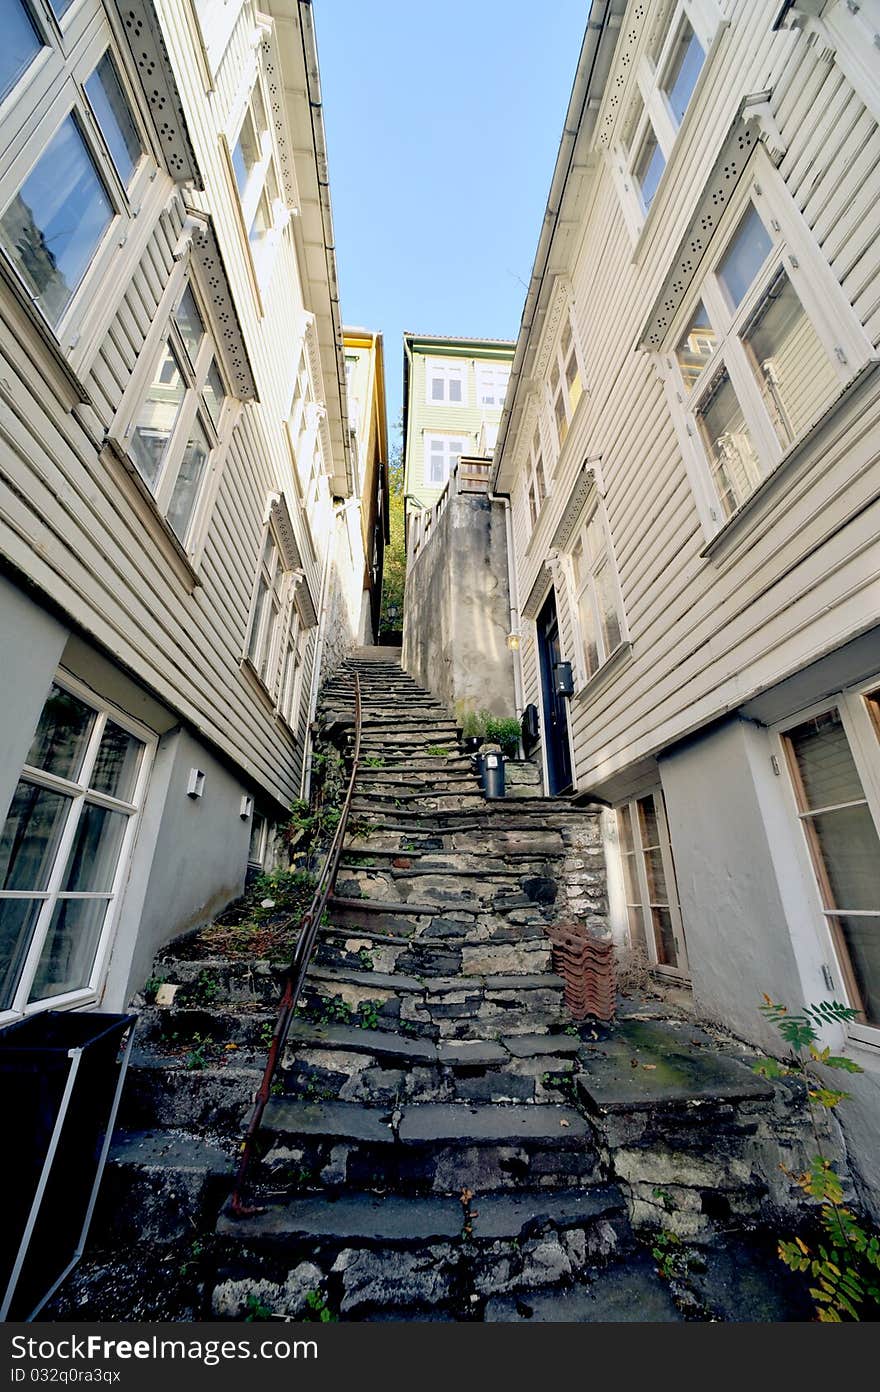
(80, 529)
(798, 575)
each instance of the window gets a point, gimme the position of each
(441, 453)
(175, 426)
(564, 382)
(667, 80)
(263, 210)
(754, 373)
(277, 636)
(492, 379)
(80, 166)
(21, 44)
(650, 890)
(537, 479)
(64, 845)
(597, 597)
(841, 833)
(445, 382)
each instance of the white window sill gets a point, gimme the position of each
(863, 1042)
(773, 481)
(160, 530)
(621, 655)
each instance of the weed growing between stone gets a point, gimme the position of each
(844, 1261)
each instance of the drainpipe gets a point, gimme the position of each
(316, 669)
(513, 593)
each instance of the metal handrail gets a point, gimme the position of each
(295, 973)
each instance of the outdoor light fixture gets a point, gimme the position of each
(246, 808)
(513, 641)
(195, 784)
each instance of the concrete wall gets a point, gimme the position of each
(457, 609)
(32, 642)
(189, 860)
(749, 912)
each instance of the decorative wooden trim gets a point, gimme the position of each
(282, 525)
(275, 90)
(302, 598)
(150, 56)
(214, 283)
(538, 592)
(560, 301)
(588, 481)
(624, 59)
(726, 173)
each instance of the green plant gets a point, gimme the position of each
(665, 1199)
(844, 1261)
(256, 1310)
(365, 957)
(203, 991)
(473, 724)
(368, 1015)
(373, 761)
(267, 1032)
(436, 751)
(667, 1252)
(504, 731)
(198, 1056)
(317, 1310)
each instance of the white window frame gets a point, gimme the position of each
(852, 31)
(444, 370)
(282, 628)
(863, 737)
(81, 794)
(645, 906)
(193, 406)
(832, 317)
(593, 510)
(262, 252)
(559, 360)
(536, 484)
(492, 379)
(449, 458)
(650, 112)
(51, 89)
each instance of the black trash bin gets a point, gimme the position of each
(491, 770)
(61, 1075)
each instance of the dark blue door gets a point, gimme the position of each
(554, 707)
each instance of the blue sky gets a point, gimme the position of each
(443, 122)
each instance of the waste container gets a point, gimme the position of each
(491, 770)
(61, 1076)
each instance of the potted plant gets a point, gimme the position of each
(504, 731)
(473, 730)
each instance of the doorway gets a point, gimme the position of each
(555, 710)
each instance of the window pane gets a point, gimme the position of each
(681, 79)
(62, 735)
(745, 256)
(246, 153)
(588, 632)
(117, 763)
(214, 393)
(21, 44)
(189, 478)
(826, 766)
(30, 837)
(190, 323)
(561, 417)
(862, 938)
(725, 435)
(256, 627)
(533, 511)
(255, 850)
(578, 567)
(696, 346)
(793, 369)
(850, 849)
(608, 609)
(648, 825)
(664, 939)
(259, 109)
(60, 7)
(262, 222)
(54, 224)
(455, 389)
(649, 165)
(94, 854)
(436, 388)
(573, 382)
(157, 417)
(18, 918)
(114, 117)
(69, 950)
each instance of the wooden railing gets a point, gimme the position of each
(469, 475)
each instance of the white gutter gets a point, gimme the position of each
(513, 593)
(581, 91)
(319, 139)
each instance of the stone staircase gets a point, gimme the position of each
(442, 1143)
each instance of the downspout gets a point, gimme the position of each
(316, 669)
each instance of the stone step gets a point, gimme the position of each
(159, 1187)
(166, 1093)
(427, 1147)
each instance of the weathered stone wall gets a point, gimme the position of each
(457, 610)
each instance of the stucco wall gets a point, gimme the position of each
(32, 643)
(749, 912)
(457, 609)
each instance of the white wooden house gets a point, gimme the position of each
(691, 444)
(173, 434)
